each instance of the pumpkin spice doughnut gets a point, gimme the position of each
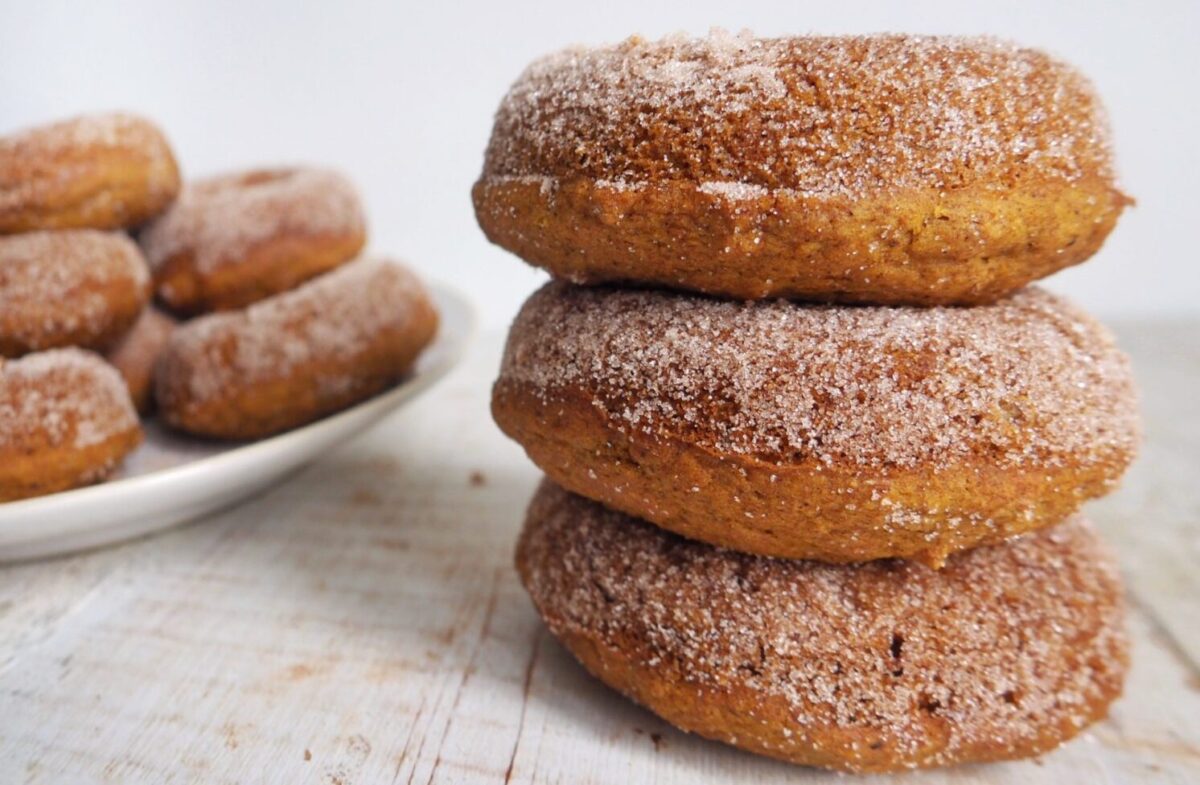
(136, 355)
(65, 421)
(1005, 653)
(75, 287)
(295, 357)
(97, 171)
(838, 433)
(237, 238)
(881, 169)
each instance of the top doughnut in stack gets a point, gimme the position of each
(813, 390)
(885, 170)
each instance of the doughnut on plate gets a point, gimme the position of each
(172, 479)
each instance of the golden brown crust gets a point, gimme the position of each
(97, 171)
(235, 239)
(833, 433)
(136, 355)
(967, 247)
(75, 287)
(794, 510)
(873, 169)
(1006, 653)
(295, 357)
(65, 421)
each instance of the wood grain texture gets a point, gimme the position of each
(361, 623)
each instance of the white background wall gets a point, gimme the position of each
(400, 96)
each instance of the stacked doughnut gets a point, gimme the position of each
(282, 324)
(814, 448)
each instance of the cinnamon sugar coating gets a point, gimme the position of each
(104, 171)
(65, 420)
(1005, 653)
(887, 169)
(136, 355)
(73, 287)
(297, 356)
(237, 238)
(830, 432)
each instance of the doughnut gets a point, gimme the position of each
(295, 357)
(75, 287)
(234, 239)
(838, 433)
(1005, 653)
(104, 171)
(65, 421)
(136, 355)
(881, 169)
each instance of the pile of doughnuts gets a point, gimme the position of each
(240, 310)
(290, 323)
(813, 448)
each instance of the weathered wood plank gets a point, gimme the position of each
(1154, 519)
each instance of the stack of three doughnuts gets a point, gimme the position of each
(789, 525)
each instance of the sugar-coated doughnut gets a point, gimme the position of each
(295, 357)
(839, 433)
(1005, 653)
(75, 287)
(65, 420)
(136, 355)
(237, 238)
(880, 169)
(103, 171)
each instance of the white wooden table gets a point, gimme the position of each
(361, 623)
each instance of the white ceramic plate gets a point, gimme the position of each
(172, 479)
